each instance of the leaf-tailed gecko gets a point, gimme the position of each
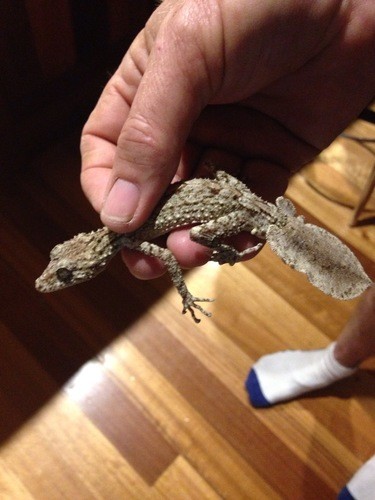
(217, 207)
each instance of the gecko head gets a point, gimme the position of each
(72, 262)
(64, 273)
(58, 276)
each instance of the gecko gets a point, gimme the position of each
(216, 207)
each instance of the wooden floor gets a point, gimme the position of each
(108, 392)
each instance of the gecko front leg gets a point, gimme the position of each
(189, 302)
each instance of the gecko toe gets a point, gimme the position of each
(190, 303)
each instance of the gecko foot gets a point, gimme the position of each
(189, 304)
(226, 254)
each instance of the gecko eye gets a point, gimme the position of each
(64, 275)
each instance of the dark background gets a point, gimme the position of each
(55, 57)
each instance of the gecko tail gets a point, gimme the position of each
(329, 264)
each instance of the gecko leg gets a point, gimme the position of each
(189, 302)
(212, 233)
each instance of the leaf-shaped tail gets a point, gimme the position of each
(327, 262)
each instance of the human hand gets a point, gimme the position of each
(258, 87)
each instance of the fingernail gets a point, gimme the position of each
(121, 202)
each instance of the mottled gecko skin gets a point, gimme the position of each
(218, 207)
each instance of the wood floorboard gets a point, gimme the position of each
(219, 407)
(110, 409)
(108, 392)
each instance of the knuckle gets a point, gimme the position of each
(139, 142)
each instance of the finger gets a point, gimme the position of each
(102, 129)
(187, 253)
(141, 266)
(172, 92)
(97, 158)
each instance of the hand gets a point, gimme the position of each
(258, 87)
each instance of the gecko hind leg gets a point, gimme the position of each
(189, 302)
(213, 232)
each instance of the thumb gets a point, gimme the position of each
(172, 92)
